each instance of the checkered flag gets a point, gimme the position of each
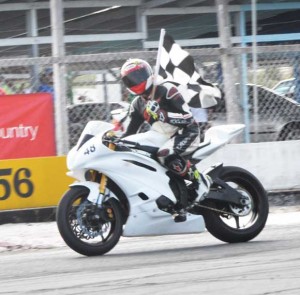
(176, 65)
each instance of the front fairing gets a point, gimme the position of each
(84, 156)
(94, 128)
(132, 171)
(89, 145)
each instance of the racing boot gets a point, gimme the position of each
(180, 216)
(201, 182)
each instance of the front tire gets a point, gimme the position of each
(88, 230)
(250, 220)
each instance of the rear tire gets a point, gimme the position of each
(80, 231)
(252, 220)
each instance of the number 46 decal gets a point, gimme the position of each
(89, 150)
(22, 185)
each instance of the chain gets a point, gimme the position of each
(217, 210)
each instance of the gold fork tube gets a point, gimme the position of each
(103, 181)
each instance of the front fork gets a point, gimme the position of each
(97, 191)
(103, 180)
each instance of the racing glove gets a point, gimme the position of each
(153, 109)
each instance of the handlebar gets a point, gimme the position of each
(110, 137)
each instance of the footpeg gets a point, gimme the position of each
(180, 218)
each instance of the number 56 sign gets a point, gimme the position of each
(32, 182)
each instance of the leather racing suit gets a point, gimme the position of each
(174, 116)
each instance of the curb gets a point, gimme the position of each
(283, 198)
(28, 215)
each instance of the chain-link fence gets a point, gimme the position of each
(269, 108)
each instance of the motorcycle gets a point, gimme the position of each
(120, 189)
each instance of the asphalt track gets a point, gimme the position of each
(34, 260)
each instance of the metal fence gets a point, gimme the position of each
(93, 87)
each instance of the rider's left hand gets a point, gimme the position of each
(153, 109)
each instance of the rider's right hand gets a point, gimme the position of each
(112, 136)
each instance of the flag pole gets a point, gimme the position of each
(156, 69)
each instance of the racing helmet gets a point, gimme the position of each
(137, 76)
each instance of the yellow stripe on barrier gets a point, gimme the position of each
(33, 182)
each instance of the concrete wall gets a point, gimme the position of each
(275, 164)
(40, 182)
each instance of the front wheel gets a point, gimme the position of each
(86, 228)
(241, 223)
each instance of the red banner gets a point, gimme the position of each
(26, 126)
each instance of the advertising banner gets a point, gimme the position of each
(27, 126)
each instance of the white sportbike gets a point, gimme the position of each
(122, 190)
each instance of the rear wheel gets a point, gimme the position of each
(86, 228)
(231, 223)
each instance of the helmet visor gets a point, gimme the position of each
(136, 77)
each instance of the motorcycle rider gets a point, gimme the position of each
(164, 105)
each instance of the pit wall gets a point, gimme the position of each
(32, 182)
(275, 164)
(40, 182)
